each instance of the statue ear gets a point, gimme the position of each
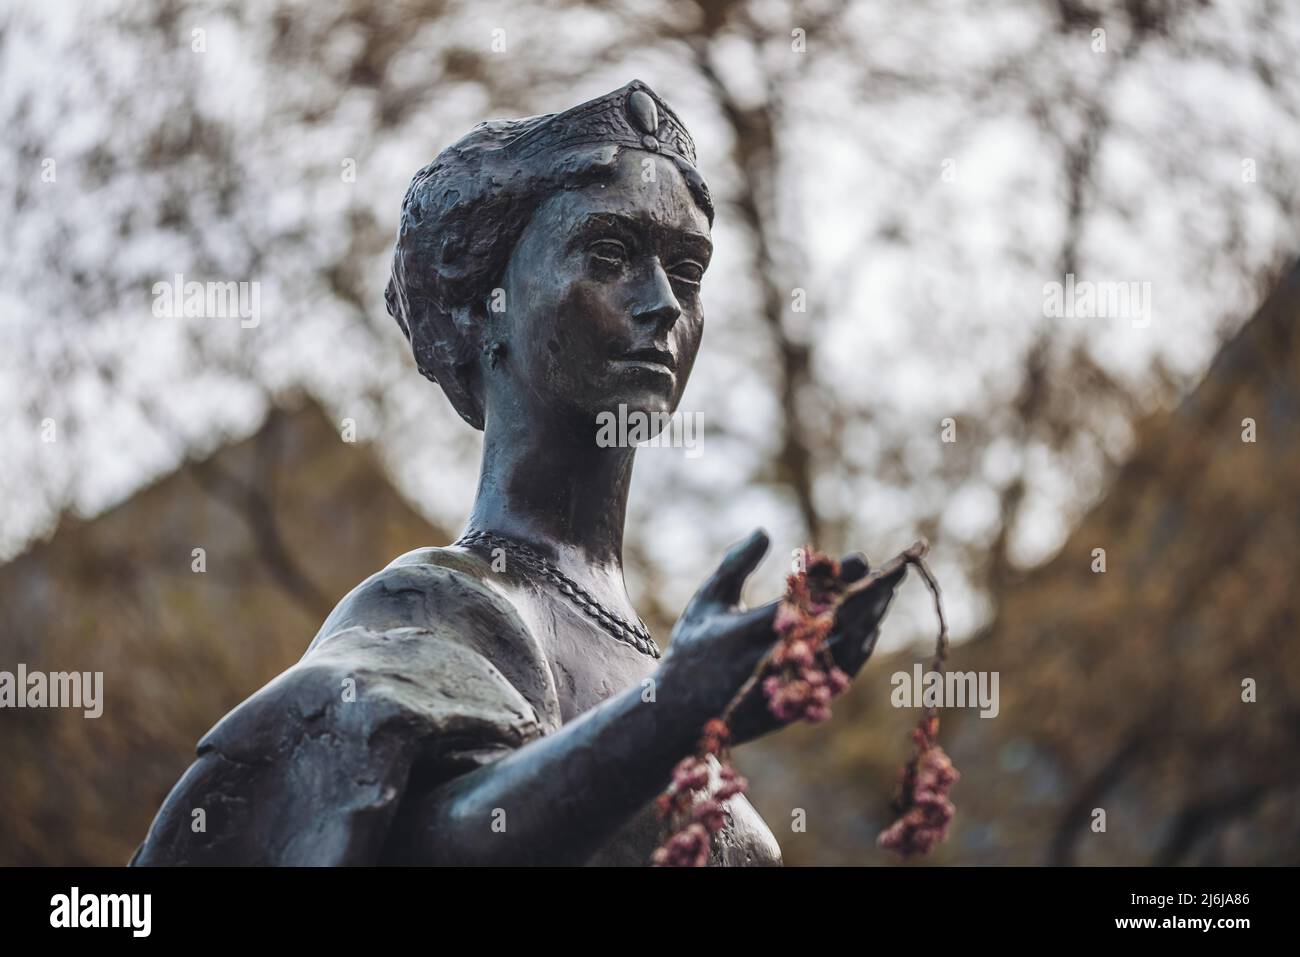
(446, 347)
(471, 324)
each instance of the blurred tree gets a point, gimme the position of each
(914, 174)
(1146, 671)
(188, 597)
(911, 174)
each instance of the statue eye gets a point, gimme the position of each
(688, 271)
(608, 251)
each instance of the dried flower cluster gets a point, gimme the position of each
(798, 679)
(694, 802)
(923, 806)
(801, 676)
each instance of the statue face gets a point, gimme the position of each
(602, 297)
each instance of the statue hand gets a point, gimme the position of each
(857, 627)
(857, 624)
(716, 645)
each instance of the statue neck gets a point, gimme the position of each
(547, 486)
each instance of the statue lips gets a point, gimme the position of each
(658, 361)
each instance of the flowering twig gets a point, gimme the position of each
(694, 802)
(923, 808)
(799, 678)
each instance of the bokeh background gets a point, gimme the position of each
(913, 172)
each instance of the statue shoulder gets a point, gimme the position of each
(312, 767)
(421, 588)
(453, 596)
(425, 670)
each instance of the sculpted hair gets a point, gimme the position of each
(461, 219)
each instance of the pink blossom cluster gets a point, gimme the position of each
(807, 696)
(694, 805)
(803, 678)
(925, 812)
(798, 680)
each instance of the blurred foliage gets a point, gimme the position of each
(829, 161)
(290, 519)
(1120, 690)
(924, 302)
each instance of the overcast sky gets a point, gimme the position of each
(933, 286)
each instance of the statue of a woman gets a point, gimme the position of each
(498, 701)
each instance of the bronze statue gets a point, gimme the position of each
(498, 701)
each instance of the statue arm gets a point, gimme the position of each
(557, 799)
(450, 749)
(312, 768)
(396, 742)
(560, 798)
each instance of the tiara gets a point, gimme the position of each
(632, 116)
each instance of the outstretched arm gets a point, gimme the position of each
(559, 799)
(428, 744)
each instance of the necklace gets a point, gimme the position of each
(615, 625)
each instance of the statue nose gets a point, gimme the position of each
(656, 301)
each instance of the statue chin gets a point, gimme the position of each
(642, 409)
(626, 424)
(652, 393)
(655, 405)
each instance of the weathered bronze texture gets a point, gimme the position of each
(462, 706)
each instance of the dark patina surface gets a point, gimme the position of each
(496, 701)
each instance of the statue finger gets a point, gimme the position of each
(726, 583)
(867, 607)
(854, 567)
(757, 624)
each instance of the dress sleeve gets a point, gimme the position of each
(311, 769)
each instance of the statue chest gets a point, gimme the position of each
(587, 663)
(590, 666)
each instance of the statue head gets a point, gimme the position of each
(553, 264)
